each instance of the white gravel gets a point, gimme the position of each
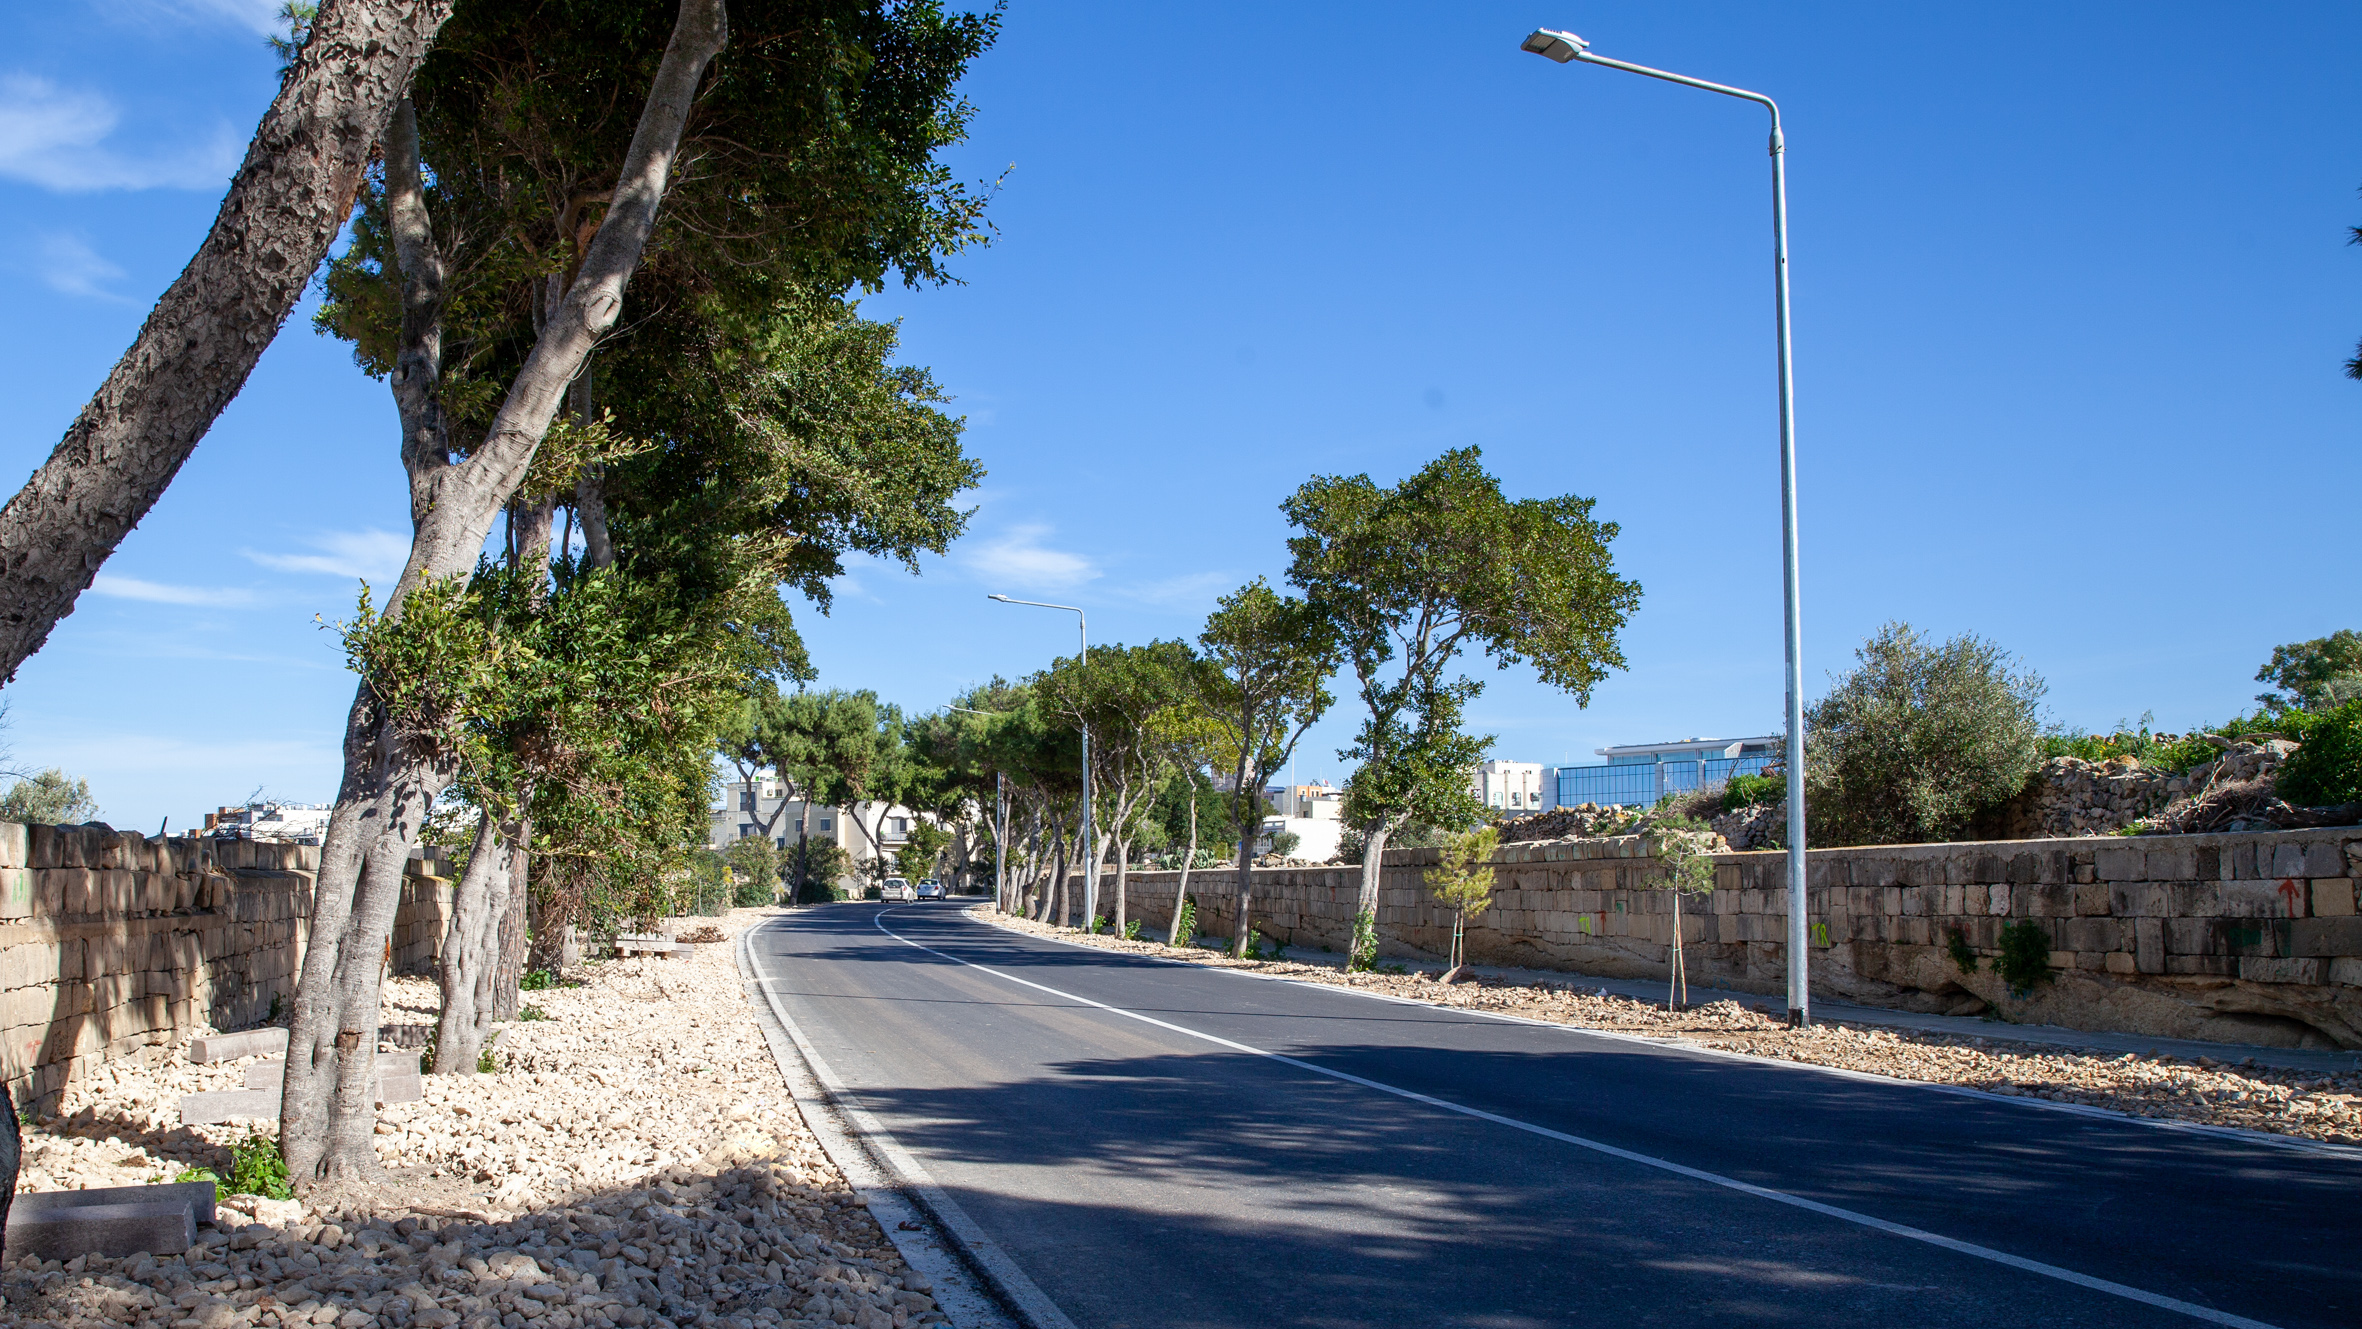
(635, 1161)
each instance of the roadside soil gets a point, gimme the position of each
(634, 1159)
(2207, 1092)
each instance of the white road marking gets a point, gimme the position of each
(2142, 1296)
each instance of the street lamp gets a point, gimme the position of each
(1564, 47)
(1090, 846)
(1000, 827)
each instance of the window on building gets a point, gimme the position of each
(898, 825)
(745, 830)
(826, 825)
(746, 800)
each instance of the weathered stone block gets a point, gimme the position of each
(2148, 945)
(2118, 962)
(2170, 863)
(2259, 969)
(2333, 897)
(16, 850)
(2220, 966)
(2140, 899)
(2348, 972)
(2092, 934)
(2121, 864)
(124, 1220)
(2325, 936)
(2255, 899)
(1997, 900)
(230, 1047)
(2288, 860)
(2093, 899)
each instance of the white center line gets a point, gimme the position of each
(2146, 1298)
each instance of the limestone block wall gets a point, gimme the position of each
(112, 943)
(2249, 937)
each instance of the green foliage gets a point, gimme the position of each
(197, 1174)
(757, 863)
(922, 849)
(52, 798)
(1362, 955)
(1746, 791)
(1259, 947)
(1185, 927)
(2133, 740)
(1679, 845)
(537, 980)
(2318, 675)
(1412, 574)
(2025, 956)
(1462, 878)
(1963, 958)
(1097, 925)
(1284, 843)
(256, 1168)
(1918, 739)
(1132, 930)
(1268, 658)
(825, 863)
(486, 1063)
(529, 1011)
(2327, 769)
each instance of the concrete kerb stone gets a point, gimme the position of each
(231, 1047)
(113, 1220)
(390, 1065)
(219, 1105)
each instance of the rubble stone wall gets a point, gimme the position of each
(112, 942)
(2250, 937)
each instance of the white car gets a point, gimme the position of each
(930, 888)
(899, 888)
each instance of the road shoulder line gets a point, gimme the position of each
(2110, 1288)
(976, 1283)
(2238, 1134)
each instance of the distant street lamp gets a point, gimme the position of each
(1090, 846)
(1000, 827)
(1564, 47)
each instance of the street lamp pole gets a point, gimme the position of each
(1564, 47)
(1090, 845)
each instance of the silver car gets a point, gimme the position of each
(930, 888)
(899, 888)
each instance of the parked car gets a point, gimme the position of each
(899, 888)
(930, 888)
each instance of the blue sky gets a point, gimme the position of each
(2072, 296)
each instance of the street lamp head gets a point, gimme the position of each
(1559, 46)
(1002, 598)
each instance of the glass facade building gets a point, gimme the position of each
(1645, 772)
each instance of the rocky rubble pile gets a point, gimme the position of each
(1755, 826)
(1582, 821)
(2323, 1107)
(634, 1161)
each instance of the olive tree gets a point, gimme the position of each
(1918, 738)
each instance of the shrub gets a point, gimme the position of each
(537, 980)
(1918, 739)
(1362, 956)
(2025, 956)
(257, 1169)
(1746, 791)
(52, 798)
(1132, 930)
(1185, 927)
(2133, 739)
(753, 895)
(2328, 768)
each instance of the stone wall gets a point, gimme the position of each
(2250, 937)
(111, 942)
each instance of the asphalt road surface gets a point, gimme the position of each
(1395, 1164)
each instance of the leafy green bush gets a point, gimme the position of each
(537, 980)
(1918, 739)
(1132, 930)
(1185, 927)
(753, 895)
(1746, 791)
(2132, 739)
(2025, 956)
(257, 1169)
(2328, 768)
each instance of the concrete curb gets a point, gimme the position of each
(976, 1283)
(2295, 1143)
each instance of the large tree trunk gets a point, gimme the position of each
(514, 939)
(326, 1132)
(1173, 935)
(284, 208)
(468, 951)
(1123, 871)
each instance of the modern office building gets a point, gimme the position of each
(1314, 812)
(1642, 773)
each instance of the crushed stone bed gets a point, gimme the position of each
(2315, 1105)
(634, 1161)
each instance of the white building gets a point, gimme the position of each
(1314, 812)
(269, 819)
(1512, 786)
(761, 807)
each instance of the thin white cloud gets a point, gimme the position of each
(56, 138)
(1020, 559)
(156, 592)
(374, 556)
(1189, 588)
(260, 17)
(68, 265)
